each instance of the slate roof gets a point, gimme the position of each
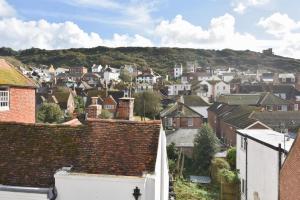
(194, 101)
(182, 137)
(101, 147)
(239, 117)
(290, 119)
(258, 99)
(179, 110)
(9, 76)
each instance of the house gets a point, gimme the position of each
(287, 78)
(226, 119)
(183, 139)
(265, 100)
(267, 77)
(177, 71)
(64, 98)
(75, 73)
(110, 104)
(111, 74)
(103, 159)
(194, 76)
(178, 89)
(92, 79)
(290, 173)
(260, 155)
(181, 116)
(97, 68)
(197, 104)
(211, 89)
(61, 70)
(17, 95)
(148, 76)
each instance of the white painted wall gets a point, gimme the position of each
(176, 88)
(263, 170)
(111, 76)
(71, 186)
(5, 195)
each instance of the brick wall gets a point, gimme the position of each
(109, 101)
(211, 120)
(290, 174)
(21, 106)
(228, 133)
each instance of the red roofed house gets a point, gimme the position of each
(17, 95)
(101, 160)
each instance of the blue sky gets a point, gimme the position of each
(209, 24)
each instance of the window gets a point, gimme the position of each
(190, 122)
(4, 99)
(296, 107)
(169, 122)
(279, 107)
(243, 186)
(269, 108)
(109, 106)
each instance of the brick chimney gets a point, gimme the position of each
(93, 110)
(125, 108)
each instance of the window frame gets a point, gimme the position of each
(4, 99)
(190, 122)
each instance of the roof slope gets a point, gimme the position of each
(100, 147)
(12, 77)
(239, 116)
(180, 110)
(194, 100)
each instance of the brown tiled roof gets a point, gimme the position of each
(31, 154)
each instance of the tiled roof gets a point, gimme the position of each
(239, 116)
(100, 147)
(9, 76)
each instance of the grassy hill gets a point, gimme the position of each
(161, 59)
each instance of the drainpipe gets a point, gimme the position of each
(279, 168)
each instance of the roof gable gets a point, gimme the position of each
(12, 77)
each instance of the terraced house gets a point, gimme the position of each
(17, 95)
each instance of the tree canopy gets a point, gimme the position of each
(50, 113)
(147, 104)
(206, 145)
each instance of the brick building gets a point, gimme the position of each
(181, 116)
(17, 95)
(290, 174)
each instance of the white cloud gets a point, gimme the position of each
(19, 34)
(111, 4)
(240, 6)
(279, 24)
(220, 34)
(6, 10)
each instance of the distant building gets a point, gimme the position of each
(97, 68)
(148, 76)
(76, 73)
(177, 71)
(268, 52)
(178, 89)
(111, 74)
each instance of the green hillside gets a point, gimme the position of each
(161, 59)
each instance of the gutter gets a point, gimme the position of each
(50, 192)
(246, 185)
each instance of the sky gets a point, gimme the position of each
(204, 24)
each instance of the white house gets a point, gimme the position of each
(260, 155)
(111, 74)
(97, 68)
(103, 160)
(211, 89)
(148, 76)
(176, 89)
(177, 71)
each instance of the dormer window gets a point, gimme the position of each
(4, 99)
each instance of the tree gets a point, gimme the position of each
(79, 104)
(206, 145)
(50, 113)
(125, 76)
(105, 114)
(147, 104)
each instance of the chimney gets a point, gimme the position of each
(93, 110)
(125, 108)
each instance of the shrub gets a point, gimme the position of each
(217, 165)
(231, 157)
(50, 113)
(105, 114)
(229, 176)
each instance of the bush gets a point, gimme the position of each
(231, 157)
(217, 165)
(172, 152)
(229, 176)
(105, 114)
(50, 113)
